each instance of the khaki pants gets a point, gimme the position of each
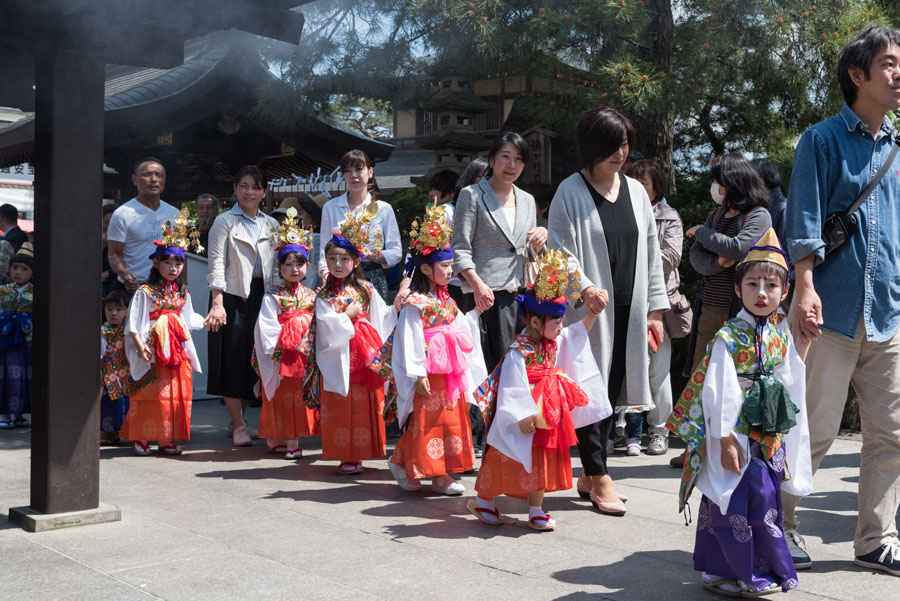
(873, 368)
(711, 321)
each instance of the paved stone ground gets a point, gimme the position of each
(219, 523)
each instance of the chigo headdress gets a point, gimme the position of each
(547, 295)
(354, 235)
(429, 238)
(178, 236)
(290, 237)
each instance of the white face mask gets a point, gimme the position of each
(714, 192)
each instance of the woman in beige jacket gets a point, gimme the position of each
(241, 269)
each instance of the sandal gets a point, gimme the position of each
(479, 512)
(349, 467)
(142, 447)
(722, 587)
(6, 424)
(749, 593)
(293, 454)
(278, 449)
(170, 448)
(548, 522)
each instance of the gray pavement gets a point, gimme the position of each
(220, 523)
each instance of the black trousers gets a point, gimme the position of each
(375, 274)
(231, 348)
(592, 438)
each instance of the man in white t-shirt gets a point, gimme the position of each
(137, 223)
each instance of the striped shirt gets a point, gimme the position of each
(717, 290)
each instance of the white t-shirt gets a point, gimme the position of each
(137, 226)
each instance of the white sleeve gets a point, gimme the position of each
(137, 322)
(575, 358)
(408, 358)
(118, 226)
(326, 228)
(796, 442)
(514, 403)
(102, 346)
(265, 341)
(477, 372)
(191, 321)
(333, 333)
(381, 316)
(392, 251)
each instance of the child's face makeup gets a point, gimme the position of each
(115, 314)
(761, 294)
(340, 263)
(170, 267)
(552, 328)
(440, 272)
(293, 270)
(20, 273)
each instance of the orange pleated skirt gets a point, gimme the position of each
(438, 437)
(161, 410)
(500, 475)
(285, 415)
(352, 426)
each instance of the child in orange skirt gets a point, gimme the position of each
(352, 322)
(436, 360)
(283, 343)
(546, 385)
(157, 338)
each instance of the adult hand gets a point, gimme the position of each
(216, 318)
(354, 309)
(655, 323)
(537, 238)
(692, 231)
(131, 282)
(808, 313)
(725, 263)
(401, 296)
(374, 256)
(595, 298)
(731, 455)
(526, 426)
(423, 386)
(484, 296)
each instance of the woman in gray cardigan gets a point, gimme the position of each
(493, 225)
(605, 221)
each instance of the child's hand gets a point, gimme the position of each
(526, 426)
(731, 455)
(354, 309)
(145, 353)
(423, 386)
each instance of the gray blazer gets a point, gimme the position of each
(482, 239)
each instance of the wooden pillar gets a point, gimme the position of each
(65, 458)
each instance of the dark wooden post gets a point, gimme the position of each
(65, 462)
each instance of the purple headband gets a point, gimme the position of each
(163, 250)
(342, 242)
(552, 308)
(293, 248)
(442, 254)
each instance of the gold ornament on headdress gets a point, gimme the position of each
(433, 232)
(553, 278)
(356, 230)
(182, 233)
(290, 232)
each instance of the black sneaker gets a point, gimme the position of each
(885, 558)
(797, 548)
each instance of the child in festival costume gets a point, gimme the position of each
(16, 301)
(352, 322)
(743, 417)
(546, 385)
(283, 343)
(435, 356)
(158, 340)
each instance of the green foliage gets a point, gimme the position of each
(408, 204)
(371, 117)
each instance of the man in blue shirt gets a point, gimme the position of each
(848, 304)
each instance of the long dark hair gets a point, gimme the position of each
(155, 278)
(741, 180)
(353, 279)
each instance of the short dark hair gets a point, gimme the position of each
(649, 169)
(9, 213)
(355, 158)
(116, 297)
(767, 268)
(769, 173)
(254, 172)
(444, 181)
(736, 173)
(137, 166)
(860, 51)
(476, 168)
(508, 137)
(107, 209)
(599, 135)
(314, 210)
(210, 197)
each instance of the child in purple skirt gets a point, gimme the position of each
(743, 417)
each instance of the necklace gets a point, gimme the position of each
(589, 177)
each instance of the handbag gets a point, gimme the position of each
(679, 317)
(531, 266)
(840, 227)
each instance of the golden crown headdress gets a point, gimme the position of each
(355, 229)
(181, 233)
(291, 232)
(553, 277)
(431, 233)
